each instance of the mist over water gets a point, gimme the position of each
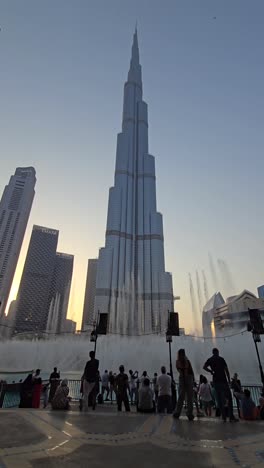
(137, 353)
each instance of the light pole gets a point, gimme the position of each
(169, 340)
(255, 325)
(257, 339)
(94, 334)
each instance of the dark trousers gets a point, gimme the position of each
(185, 391)
(164, 402)
(238, 407)
(122, 398)
(223, 393)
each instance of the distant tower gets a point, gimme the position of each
(132, 285)
(15, 208)
(88, 307)
(35, 286)
(60, 292)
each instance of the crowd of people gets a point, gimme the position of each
(55, 391)
(150, 395)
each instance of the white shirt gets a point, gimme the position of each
(105, 379)
(145, 398)
(205, 392)
(132, 382)
(142, 380)
(164, 384)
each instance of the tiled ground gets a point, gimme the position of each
(43, 438)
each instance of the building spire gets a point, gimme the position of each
(134, 73)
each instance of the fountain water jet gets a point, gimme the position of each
(139, 353)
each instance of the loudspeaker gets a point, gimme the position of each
(173, 324)
(256, 321)
(102, 326)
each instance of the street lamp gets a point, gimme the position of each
(169, 340)
(172, 330)
(94, 334)
(99, 328)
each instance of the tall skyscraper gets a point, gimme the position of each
(132, 285)
(15, 208)
(35, 286)
(88, 306)
(60, 292)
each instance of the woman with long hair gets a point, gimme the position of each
(186, 379)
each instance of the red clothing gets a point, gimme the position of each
(36, 395)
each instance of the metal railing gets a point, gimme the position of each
(10, 393)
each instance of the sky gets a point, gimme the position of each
(63, 65)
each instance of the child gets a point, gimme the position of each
(206, 396)
(45, 391)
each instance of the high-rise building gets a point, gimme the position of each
(132, 285)
(35, 286)
(15, 208)
(261, 291)
(88, 306)
(60, 292)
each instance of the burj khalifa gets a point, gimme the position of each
(132, 286)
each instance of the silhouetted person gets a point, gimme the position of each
(146, 403)
(186, 380)
(217, 366)
(156, 387)
(26, 392)
(54, 382)
(105, 384)
(143, 377)
(90, 376)
(249, 411)
(111, 385)
(164, 397)
(37, 387)
(237, 388)
(122, 388)
(133, 386)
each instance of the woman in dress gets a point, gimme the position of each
(61, 399)
(37, 387)
(26, 392)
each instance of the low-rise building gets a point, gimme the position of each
(234, 312)
(209, 313)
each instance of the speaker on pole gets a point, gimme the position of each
(102, 325)
(173, 324)
(255, 322)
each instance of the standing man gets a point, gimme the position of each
(122, 388)
(133, 386)
(54, 381)
(90, 376)
(105, 385)
(164, 397)
(217, 366)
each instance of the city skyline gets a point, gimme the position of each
(204, 85)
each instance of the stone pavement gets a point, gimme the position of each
(44, 438)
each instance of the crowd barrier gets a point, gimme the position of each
(10, 393)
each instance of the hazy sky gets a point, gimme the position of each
(63, 65)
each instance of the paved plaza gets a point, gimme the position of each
(45, 438)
